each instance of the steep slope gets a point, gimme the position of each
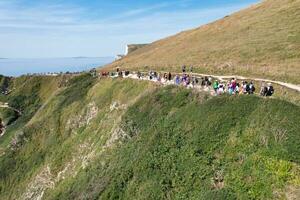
(4, 81)
(185, 146)
(28, 95)
(62, 135)
(261, 41)
(129, 139)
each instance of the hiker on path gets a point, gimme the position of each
(206, 80)
(229, 88)
(233, 85)
(183, 69)
(155, 75)
(194, 81)
(150, 75)
(120, 74)
(191, 68)
(202, 82)
(245, 87)
(237, 89)
(169, 76)
(188, 80)
(267, 91)
(251, 88)
(177, 80)
(263, 90)
(209, 82)
(165, 76)
(139, 75)
(183, 79)
(164, 79)
(216, 86)
(221, 89)
(127, 73)
(270, 90)
(158, 77)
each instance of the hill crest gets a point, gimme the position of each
(260, 41)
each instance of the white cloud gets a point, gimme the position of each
(138, 11)
(60, 30)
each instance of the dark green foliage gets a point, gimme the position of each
(25, 158)
(4, 82)
(77, 89)
(8, 116)
(219, 195)
(27, 100)
(4, 86)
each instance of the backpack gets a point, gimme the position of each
(215, 86)
(265, 91)
(247, 88)
(271, 90)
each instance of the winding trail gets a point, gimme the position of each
(166, 82)
(2, 125)
(287, 85)
(6, 105)
(223, 78)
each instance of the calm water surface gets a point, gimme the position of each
(17, 67)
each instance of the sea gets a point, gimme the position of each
(23, 66)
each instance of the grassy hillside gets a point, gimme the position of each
(127, 139)
(59, 133)
(261, 41)
(183, 146)
(29, 94)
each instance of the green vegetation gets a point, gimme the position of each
(8, 116)
(28, 94)
(57, 130)
(129, 139)
(185, 147)
(4, 84)
(261, 41)
(80, 137)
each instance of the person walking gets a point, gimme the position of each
(270, 90)
(177, 80)
(216, 86)
(191, 68)
(169, 76)
(251, 88)
(183, 69)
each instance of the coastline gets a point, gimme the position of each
(22, 66)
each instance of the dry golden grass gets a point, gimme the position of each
(261, 41)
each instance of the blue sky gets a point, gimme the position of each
(66, 28)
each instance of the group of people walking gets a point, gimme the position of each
(231, 87)
(267, 90)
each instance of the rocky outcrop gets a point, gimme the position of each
(117, 106)
(44, 180)
(84, 118)
(17, 141)
(2, 128)
(133, 47)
